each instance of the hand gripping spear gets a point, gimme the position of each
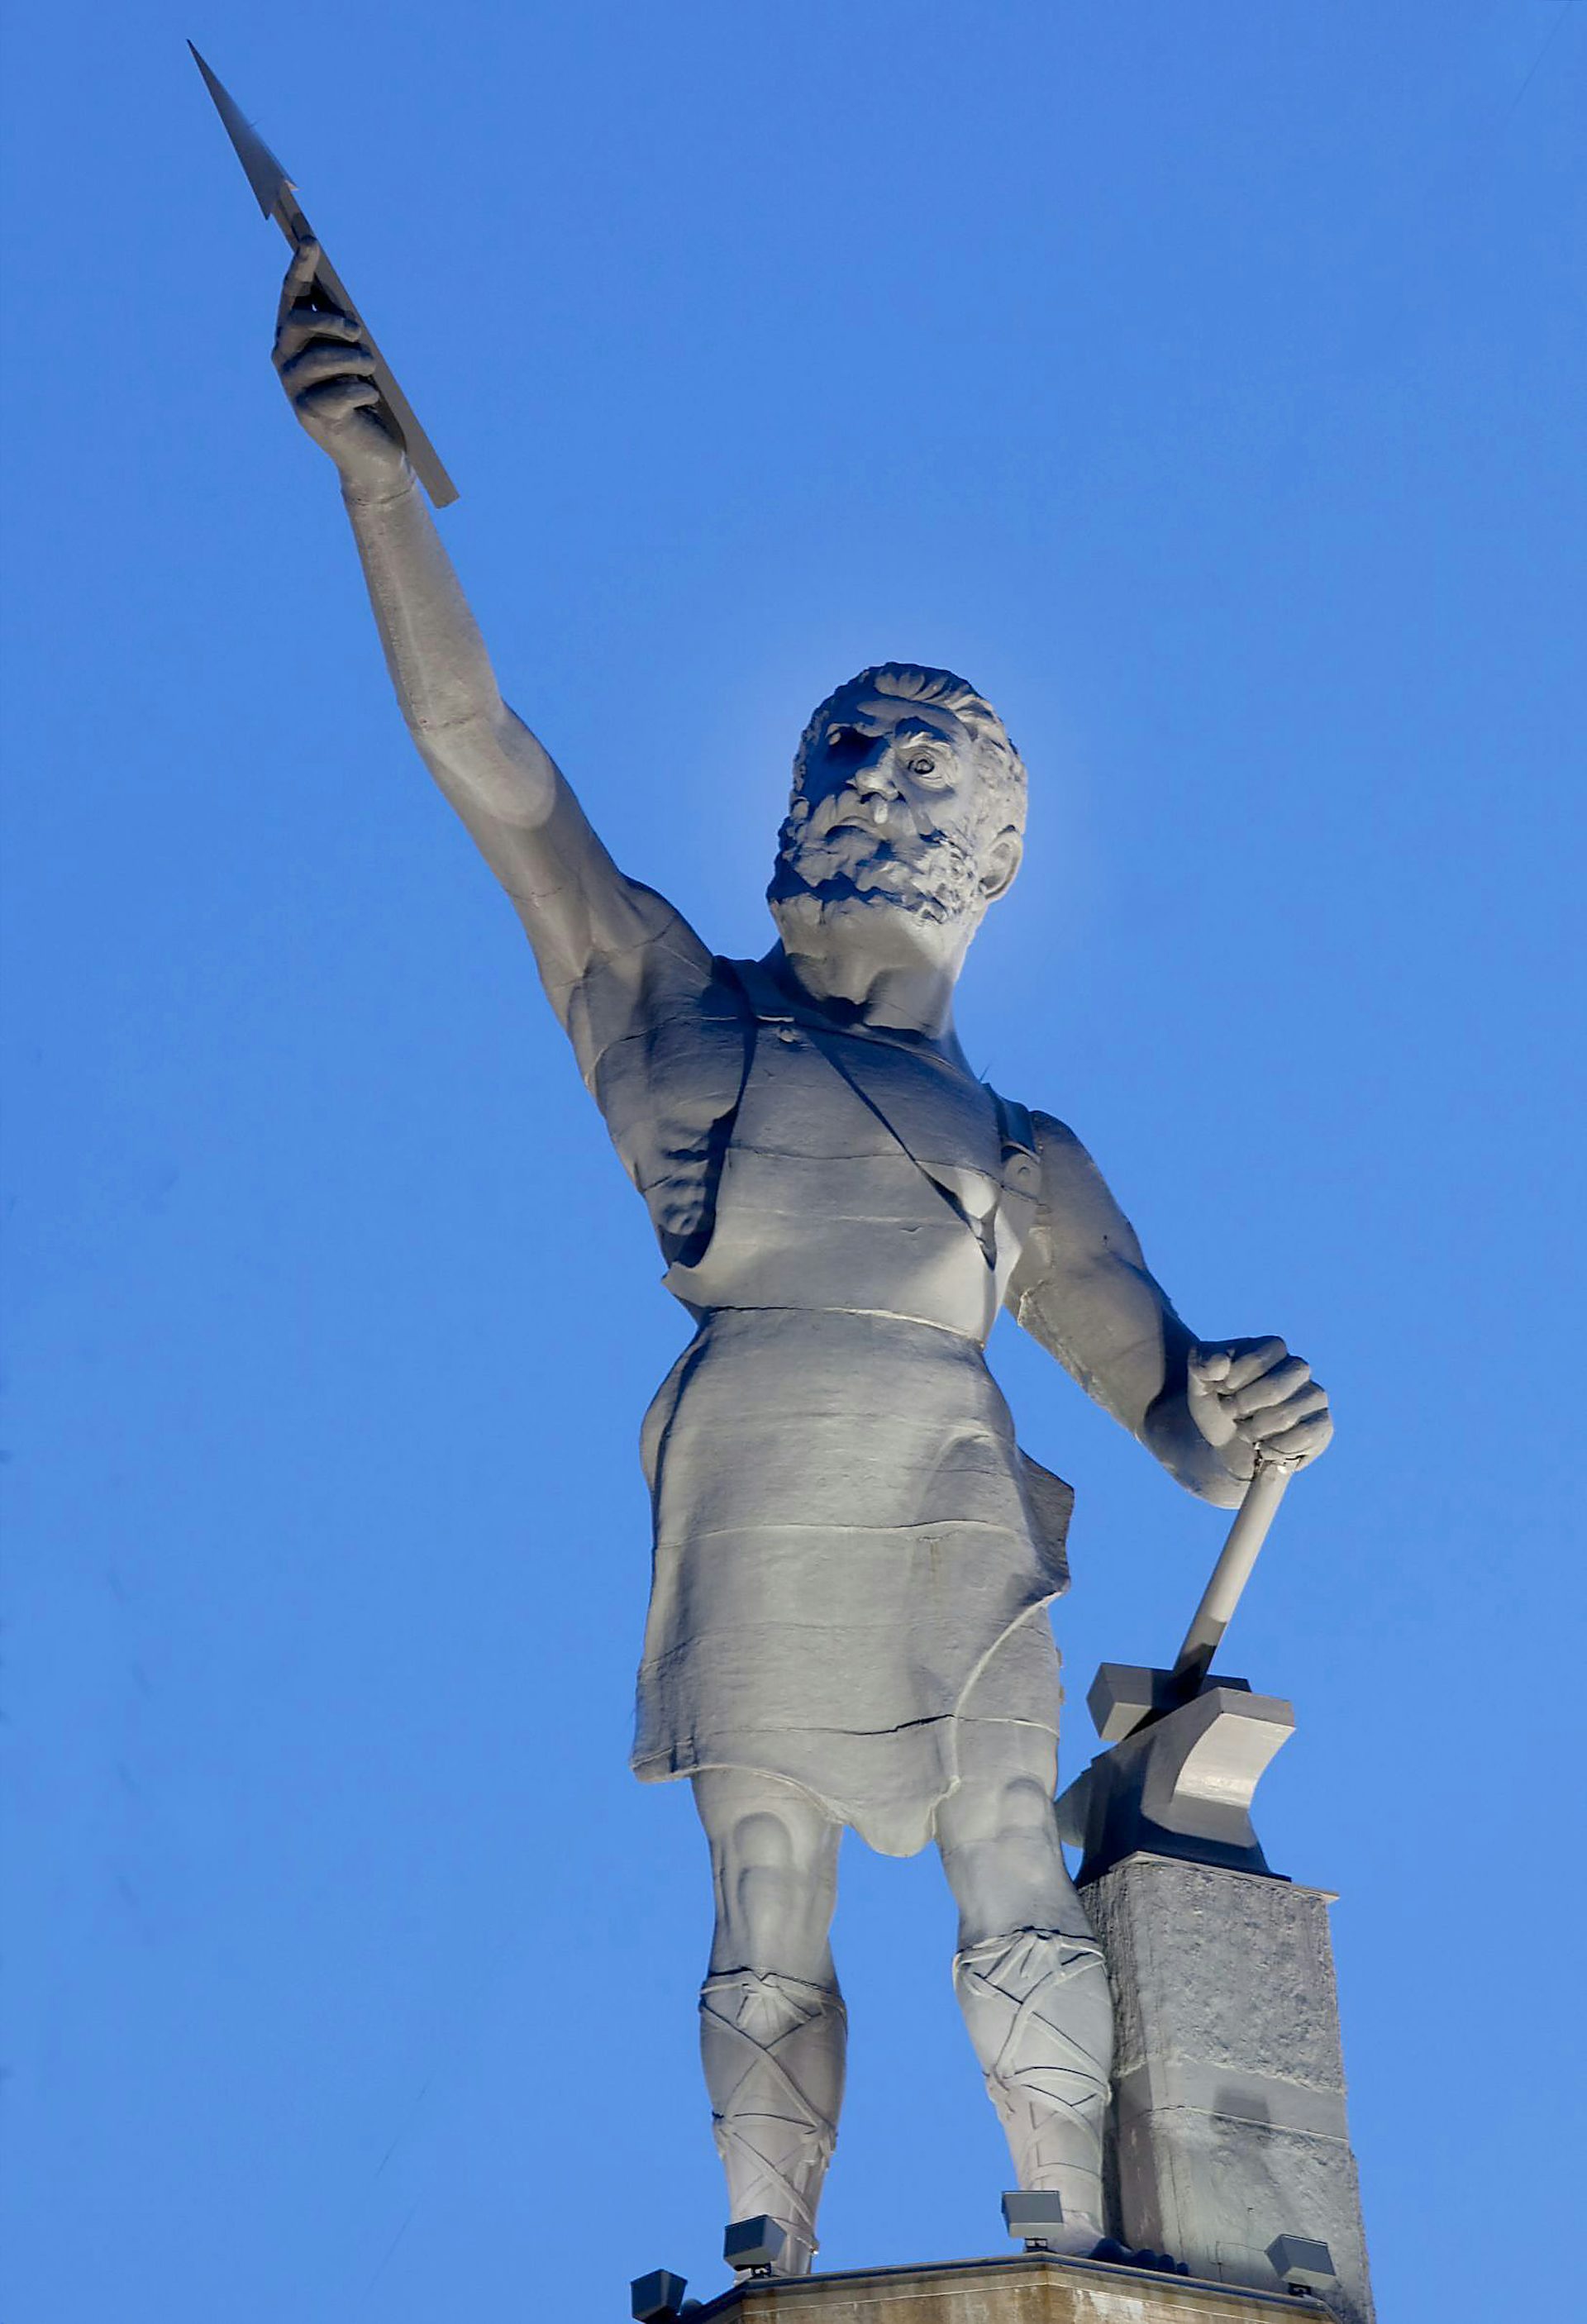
(277, 196)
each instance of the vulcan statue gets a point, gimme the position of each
(854, 1561)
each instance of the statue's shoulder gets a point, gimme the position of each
(1016, 1123)
(1041, 1153)
(1039, 1132)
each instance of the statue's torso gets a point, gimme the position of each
(852, 1554)
(864, 1175)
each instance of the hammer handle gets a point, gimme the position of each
(1232, 1571)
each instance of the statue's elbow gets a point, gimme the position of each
(472, 761)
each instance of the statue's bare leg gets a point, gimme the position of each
(773, 2025)
(1028, 1973)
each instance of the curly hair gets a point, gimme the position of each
(1003, 769)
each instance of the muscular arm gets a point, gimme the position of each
(578, 909)
(1083, 1288)
(594, 931)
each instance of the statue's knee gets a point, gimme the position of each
(775, 1888)
(760, 1842)
(1016, 1808)
(1027, 1807)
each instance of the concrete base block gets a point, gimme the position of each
(1029, 2290)
(1230, 2126)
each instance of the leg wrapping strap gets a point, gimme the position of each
(1040, 2014)
(773, 2048)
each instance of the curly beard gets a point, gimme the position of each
(930, 872)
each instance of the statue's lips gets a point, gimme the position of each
(868, 819)
(854, 847)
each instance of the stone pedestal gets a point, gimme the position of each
(1229, 2147)
(1034, 2289)
(1228, 2120)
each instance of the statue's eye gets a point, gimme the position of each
(923, 767)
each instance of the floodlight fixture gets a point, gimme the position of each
(657, 2298)
(1031, 2213)
(1302, 2263)
(755, 2246)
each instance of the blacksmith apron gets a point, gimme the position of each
(852, 1557)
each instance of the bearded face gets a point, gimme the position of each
(838, 851)
(892, 812)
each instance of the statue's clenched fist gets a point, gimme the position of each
(327, 371)
(1253, 1399)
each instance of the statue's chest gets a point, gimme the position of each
(839, 1098)
(859, 1175)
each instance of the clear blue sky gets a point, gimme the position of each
(1204, 378)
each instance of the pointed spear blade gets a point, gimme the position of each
(275, 194)
(269, 181)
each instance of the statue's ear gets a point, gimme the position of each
(1002, 861)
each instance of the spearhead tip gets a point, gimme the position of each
(269, 181)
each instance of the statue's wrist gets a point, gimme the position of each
(366, 493)
(1240, 1461)
(1218, 1473)
(1233, 1459)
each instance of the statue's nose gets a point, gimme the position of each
(871, 774)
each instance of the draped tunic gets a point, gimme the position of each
(852, 1554)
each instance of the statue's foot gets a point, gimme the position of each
(1082, 2239)
(1118, 2254)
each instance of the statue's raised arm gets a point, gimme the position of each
(608, 948)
